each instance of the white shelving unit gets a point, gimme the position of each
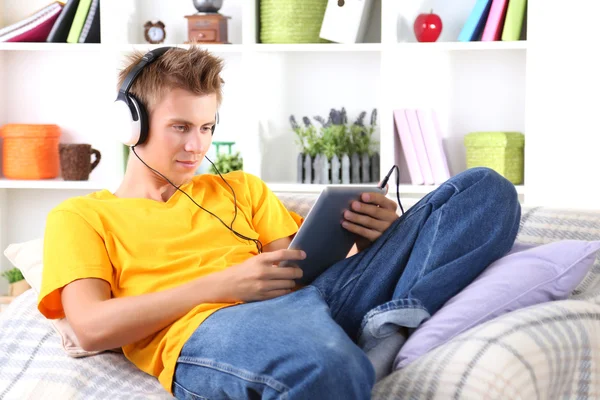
(524, 85)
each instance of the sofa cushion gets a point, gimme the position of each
(526, 276)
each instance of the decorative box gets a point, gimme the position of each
(291, 21)
(30, 151)
(501, 151)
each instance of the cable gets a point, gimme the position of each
(385, 181)
(257, 242)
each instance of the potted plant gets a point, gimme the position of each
(311, 144)
(16, 281)
(337, 148)
(228, 162)
(363, 147)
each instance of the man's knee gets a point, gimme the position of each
(497, 191)
(502, 194)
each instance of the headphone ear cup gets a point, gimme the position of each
(125, 121)
(144, 122)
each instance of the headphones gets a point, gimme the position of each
(132, 125)
(130, 115)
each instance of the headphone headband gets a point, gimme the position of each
(130, 115)
(148, 58)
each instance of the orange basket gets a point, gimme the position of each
(30, 151)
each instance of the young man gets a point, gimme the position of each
(159, 269)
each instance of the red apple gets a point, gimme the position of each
(428, 27)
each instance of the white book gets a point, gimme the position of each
(345, 23)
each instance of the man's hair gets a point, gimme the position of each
(192, 69)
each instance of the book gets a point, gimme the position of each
(408, 148)
(34, 28)
(473, 28)
(347, 23)
(61, 27)
(495, 22)
(419, 143)
(91, 29)
(513, 23)
(79, 20)
(432, 136)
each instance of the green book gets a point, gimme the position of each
(514, 20)
(78, 21)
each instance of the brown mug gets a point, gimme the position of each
(75, 161)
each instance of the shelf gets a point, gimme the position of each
(316, 47)
(53, 46)
(50, 184)
(461, 46)
(219, 48)
(125, 47)
(404, 189)
(425, 189)
(299, 187)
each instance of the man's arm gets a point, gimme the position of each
(101, 322)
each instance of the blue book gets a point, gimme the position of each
(473, 28)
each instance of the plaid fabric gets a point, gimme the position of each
(34, 365)
(547, 351)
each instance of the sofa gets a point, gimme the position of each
(549, 350)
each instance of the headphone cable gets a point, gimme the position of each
(256, 241)
(385, 181)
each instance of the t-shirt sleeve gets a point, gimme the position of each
(270, 218)
(72, 250)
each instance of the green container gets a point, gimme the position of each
(291, 21)
(501, 151)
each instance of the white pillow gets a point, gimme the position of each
(28, 257)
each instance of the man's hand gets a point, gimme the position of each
(370, 217)
(260, 277)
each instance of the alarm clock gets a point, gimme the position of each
(154, 32)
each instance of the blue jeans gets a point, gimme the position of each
(313, 343)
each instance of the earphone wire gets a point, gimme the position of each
(257, 242)
(398, 187)
(385, 181)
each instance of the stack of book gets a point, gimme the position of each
(421, 143)
(492, 20)
(76, 21)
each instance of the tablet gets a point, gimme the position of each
(321, 235)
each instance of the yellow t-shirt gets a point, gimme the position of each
(141, 246)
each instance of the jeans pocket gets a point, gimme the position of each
(182, 393)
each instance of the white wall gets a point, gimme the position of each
(399, 17)
(563, 138)
(67, 93)
(20, 9)
(309, 84)
(172, 13)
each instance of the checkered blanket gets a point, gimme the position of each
(547, 351)
(34, 365)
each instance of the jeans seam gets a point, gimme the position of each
(426, 260)
(190, 392)
(238, 372)
(319, 291)
(376, 311)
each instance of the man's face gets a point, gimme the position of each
(180, 134)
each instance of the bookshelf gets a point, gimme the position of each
(474, 86)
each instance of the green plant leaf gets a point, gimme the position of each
(228, 162)
(13, 275)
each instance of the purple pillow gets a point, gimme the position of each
(527, 275)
